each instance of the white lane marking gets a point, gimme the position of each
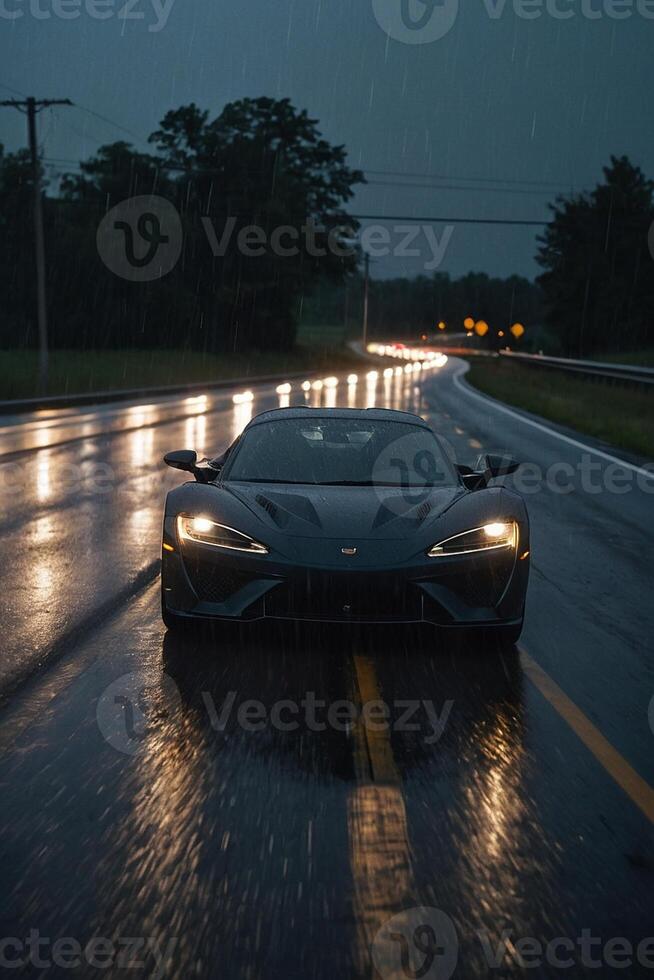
(648, 474)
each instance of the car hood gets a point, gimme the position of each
(378, 513)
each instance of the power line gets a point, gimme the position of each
(373, 217)
(111, 122)
(460, 187)
(485, 180)
(405, 175)
(15, 91)
(449, 221)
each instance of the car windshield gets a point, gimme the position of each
(341, 452)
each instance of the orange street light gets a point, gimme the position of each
(518, 330)
(481, 328)
(469, 323)
(442, 325)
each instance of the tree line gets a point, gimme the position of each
(263, 163)
(410, 307)
(595, 293)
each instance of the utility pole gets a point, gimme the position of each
(30, 107)
(366, 292)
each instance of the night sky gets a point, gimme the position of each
(538, 104)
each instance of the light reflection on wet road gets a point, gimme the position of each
(280, 853)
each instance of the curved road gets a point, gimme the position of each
(231, 808)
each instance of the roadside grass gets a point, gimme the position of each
(79, 372)
(611, 412)
(322, 335)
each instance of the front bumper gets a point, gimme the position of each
(208, 583)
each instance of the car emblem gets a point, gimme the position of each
(348, 551)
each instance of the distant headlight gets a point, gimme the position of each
(219, 535)
(490, 537)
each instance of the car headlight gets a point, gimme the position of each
(490, 537)
(219, 535)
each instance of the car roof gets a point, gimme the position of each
(305, 412)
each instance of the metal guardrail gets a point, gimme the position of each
(631, 373)
(18, 406)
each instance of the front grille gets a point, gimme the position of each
(325, 596)
(214, 582)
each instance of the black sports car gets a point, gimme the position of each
(342, 515)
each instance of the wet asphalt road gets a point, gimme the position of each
(223, 801)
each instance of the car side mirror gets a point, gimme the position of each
(487, 468)
(182, 459)
(473, 479)
(497, 465)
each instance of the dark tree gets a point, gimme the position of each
(598, 281)
(90, 306)
(260, 164)
(18, 321)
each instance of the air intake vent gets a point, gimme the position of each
(216, 583)
(423, 511)
(267, 505)
(279, 516)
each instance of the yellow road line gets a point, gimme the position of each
(380, 852)
(380, 755)
(636, 788)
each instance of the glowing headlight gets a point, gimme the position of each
(490, 537)
(219, 535)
